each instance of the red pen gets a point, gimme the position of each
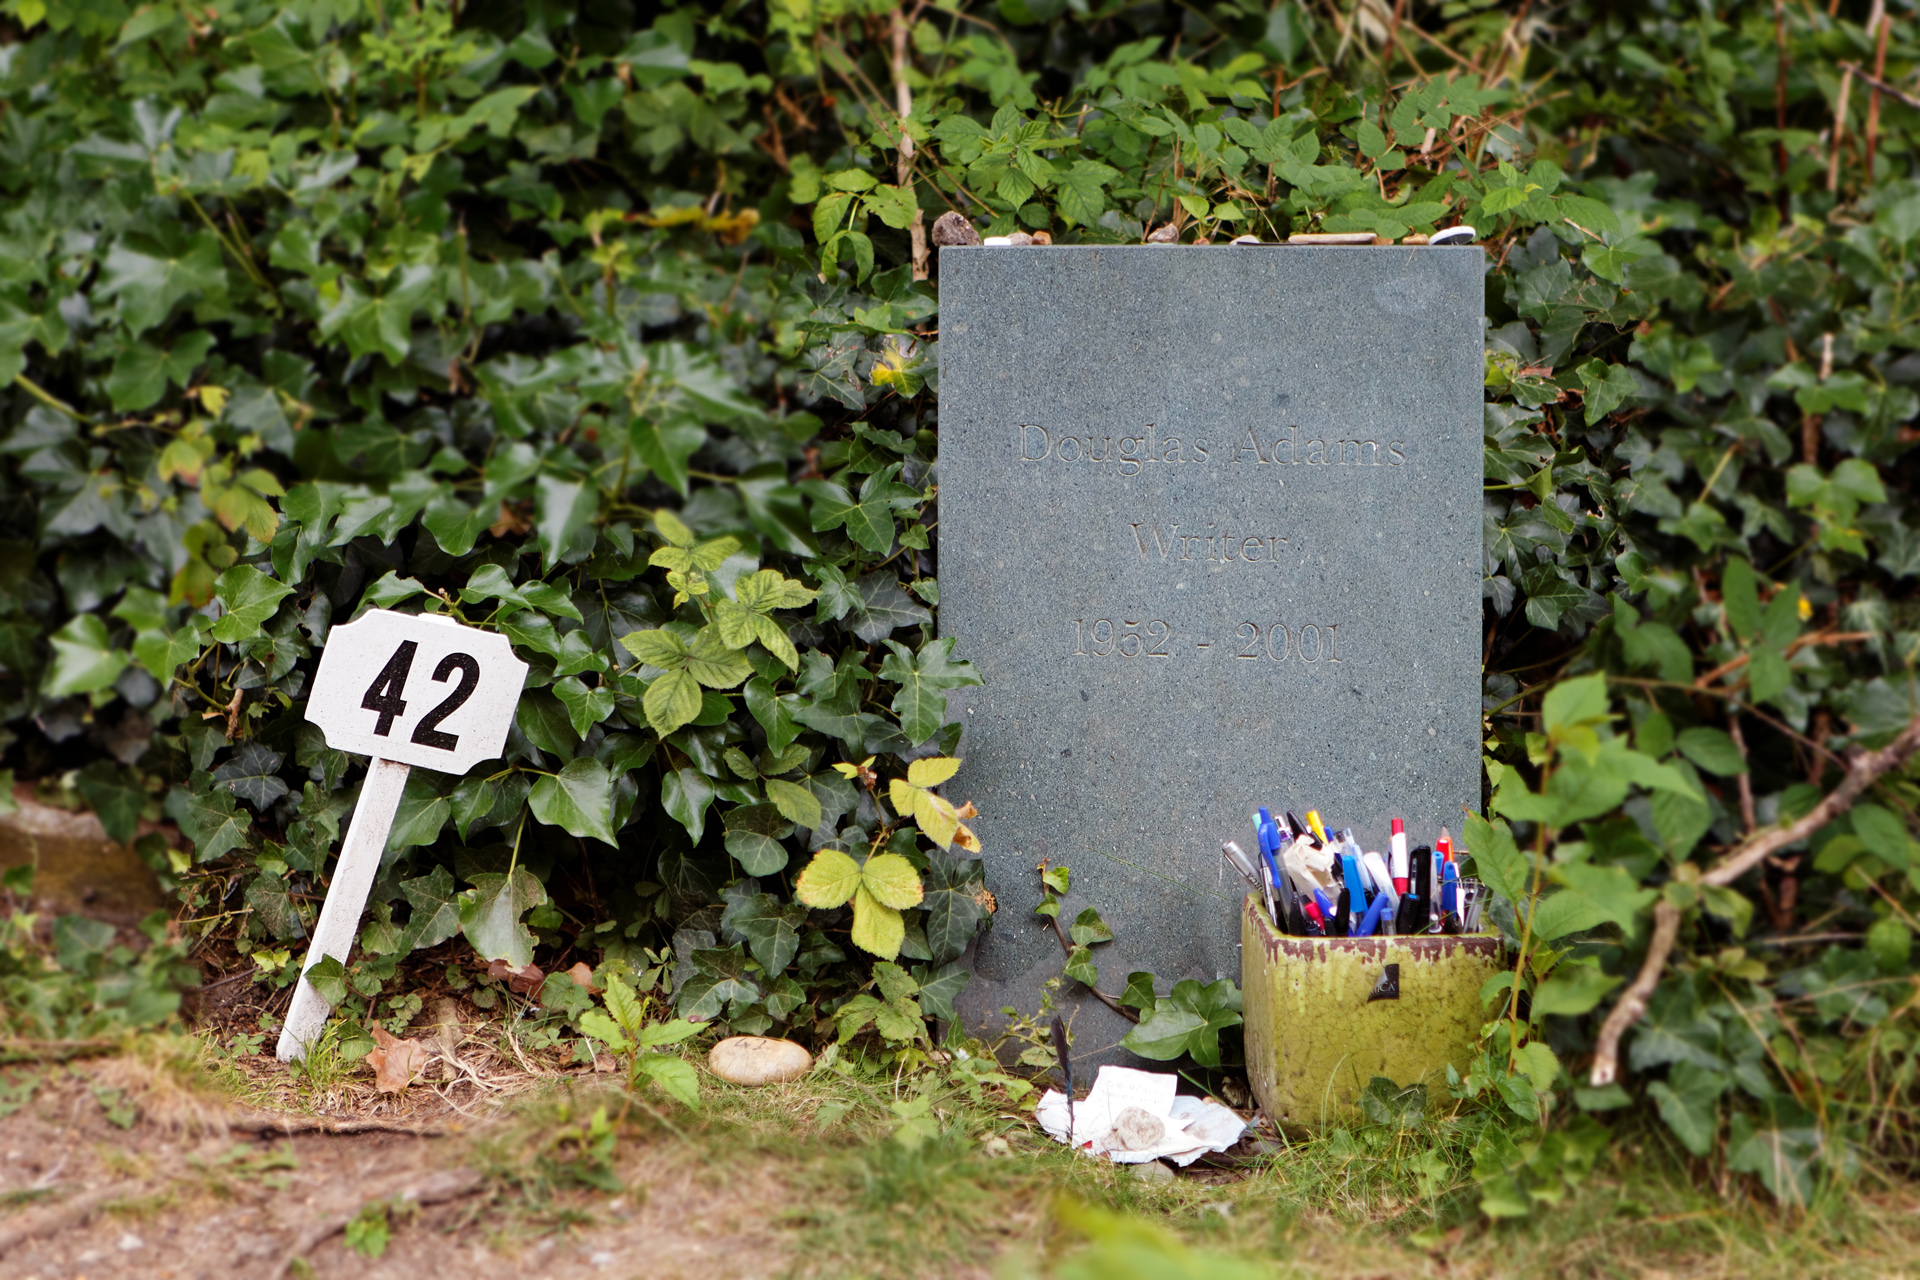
(1444, 845)
(1399, 854)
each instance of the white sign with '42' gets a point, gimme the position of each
(416, 688)
(406, 689)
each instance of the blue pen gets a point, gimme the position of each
(1325, 904)
(1356, 887)
(1449, 895)
(1269, 847)
(1371, 920)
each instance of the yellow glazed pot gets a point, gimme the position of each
(1314, 1037)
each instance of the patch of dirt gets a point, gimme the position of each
(194, 1188)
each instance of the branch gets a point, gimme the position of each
(1863, 770)
(1633, 1002)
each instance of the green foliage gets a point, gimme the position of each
(615, 340)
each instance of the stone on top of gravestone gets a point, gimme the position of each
(1210, 530)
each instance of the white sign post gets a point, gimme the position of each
(406, 689)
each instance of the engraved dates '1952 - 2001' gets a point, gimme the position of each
(1307, 642)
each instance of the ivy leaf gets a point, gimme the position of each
(209, 820)
(585, 707)
(685, 795)
(141, 371)
(1089, 930)
(579, 799)
(115, 798)
(1189, 1020)
(249, 597)
(380, 324)
(436, 909)
(754, 833)
(454, 525)
(562, 509)
(772, 931)
(148, 280)
(868, 519)
(83, 659)
(271, 899)
(253, 774)
(491, 911)
(424, 809)
(666, 445)
(923, 678)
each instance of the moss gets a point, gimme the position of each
(1313, 1037)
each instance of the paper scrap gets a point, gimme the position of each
(1131, 1117)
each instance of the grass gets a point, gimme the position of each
(851, 1201)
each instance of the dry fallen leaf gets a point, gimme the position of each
(520, 981)
(396, 1062)
(582, 975)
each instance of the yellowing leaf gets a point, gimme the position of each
(672, 529)
(672, 701)
(891, 880)
(829, 880)
(903, 794)
(964, 837)
(876, 927)
(932, 771)
(214, 398)
(937, 819)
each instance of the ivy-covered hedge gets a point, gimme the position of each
(617, 331)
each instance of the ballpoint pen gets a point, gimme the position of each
(1398, 847)
(1237, 859)
(1342, 915)
(1301, 828)
(1376, 868)
(1356, 884)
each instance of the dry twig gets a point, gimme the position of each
(1864, 769)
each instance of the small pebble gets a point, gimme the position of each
(1153, 1171)
(998, 241)
(1165, 233)
(952, 229)
(758, 1060)
(600, 1259)
(131, 1243)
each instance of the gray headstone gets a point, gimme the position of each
(1210, 530)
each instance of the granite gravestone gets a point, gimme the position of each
(1210, 530)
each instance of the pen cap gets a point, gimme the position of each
(1422, 871)
(1398, 846)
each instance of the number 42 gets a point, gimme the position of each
(384, 695)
